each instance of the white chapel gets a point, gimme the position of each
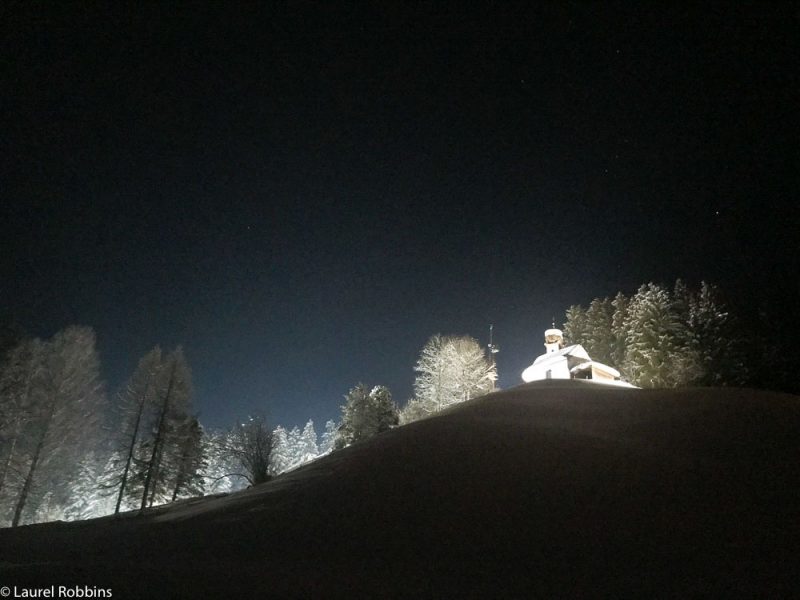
(570, 362)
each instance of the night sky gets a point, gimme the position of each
(302, 193)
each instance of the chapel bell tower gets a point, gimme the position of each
(553, 340)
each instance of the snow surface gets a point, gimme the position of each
(555, 362)
(574, 350)
(588, 365)
(553, 488)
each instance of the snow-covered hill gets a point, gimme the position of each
(550, 488)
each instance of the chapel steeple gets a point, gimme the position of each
(553, 340)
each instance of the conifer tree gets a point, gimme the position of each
(328, 438)
(280, 456)
(576, 326)
(619, 333)
(66, 401)
(155, 461)
(656, 354)
(86, 499)
(717, 338)
(308, 449)
(19, 371)
(663, 338)
(190, 463)
(366, 414)
(414, 410)
(293, 447)
(682, 299)
(137, 403)
(599, 337)
(382, 414)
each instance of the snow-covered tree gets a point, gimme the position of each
(435, 385)
(20, 369)
(593, 328)
(224, 471)
(599, 342)
(280, 459)
(474, 372)
(66, 401)
(328, 438)
(414, 410)
(48, 508)
(307, 449)
(576, 327)
(656, 351)
(108, 483)
(191, 461)
(619, 334)
(253, 444)
(87, 498)
(293, 448)
(158, 451)
(366, 414)
(450, 370)
(137, 402)
(663, 338)
(717, 338)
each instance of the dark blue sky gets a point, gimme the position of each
(301, 196)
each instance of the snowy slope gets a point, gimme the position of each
(563, 488)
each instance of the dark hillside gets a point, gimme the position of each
(550, 488)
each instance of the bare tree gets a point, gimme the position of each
(251, 443)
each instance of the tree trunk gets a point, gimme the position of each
(151, 465)
(178, 484)
(156, 473)
(7, 464)
(179, 479)
(26, 487)
(439, 389)
(18, 419)
(186, 453)
(130, 453)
